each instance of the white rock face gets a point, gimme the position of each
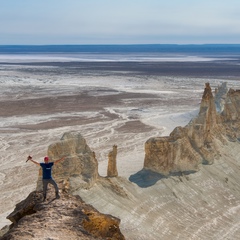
(202, 205)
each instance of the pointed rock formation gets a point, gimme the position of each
(79, 169)
(188, 147)
(205, 127)
(112, 163)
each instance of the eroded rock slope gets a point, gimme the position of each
(197, 143)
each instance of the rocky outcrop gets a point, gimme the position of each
(112, 163)
(171, 154)
(188, 147)
(79, 169)
(65, 218)
(231, 115)
(231, 110)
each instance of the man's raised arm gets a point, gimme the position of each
(30, 158)
(57, 161)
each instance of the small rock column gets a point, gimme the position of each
(112, 163)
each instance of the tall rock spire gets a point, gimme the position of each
(112, 163)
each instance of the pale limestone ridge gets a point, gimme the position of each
(188, 147)
(112, 163)
(79, 169)
(171, 203)
(203, 205)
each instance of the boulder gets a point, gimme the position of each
(80, 167)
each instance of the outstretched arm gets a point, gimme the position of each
(57, 161)
(30, 158)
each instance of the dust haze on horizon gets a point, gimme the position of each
(119, 22)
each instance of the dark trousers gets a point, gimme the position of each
(45, 184)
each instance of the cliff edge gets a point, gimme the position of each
(65, 218)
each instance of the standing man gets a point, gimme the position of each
(47, 174)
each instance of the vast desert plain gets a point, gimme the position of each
(121, 103)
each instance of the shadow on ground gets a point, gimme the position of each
(147, 178)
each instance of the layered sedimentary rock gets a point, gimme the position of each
(188, 147)
(80, 167)
(112, 163)
(65, 218)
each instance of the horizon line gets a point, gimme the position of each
(120, 44)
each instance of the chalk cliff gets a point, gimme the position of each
(188, 147)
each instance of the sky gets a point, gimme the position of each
(119, 21)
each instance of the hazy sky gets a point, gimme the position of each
(119, 21)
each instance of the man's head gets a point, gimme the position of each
(46, 159)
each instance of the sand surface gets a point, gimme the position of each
(108, 104)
